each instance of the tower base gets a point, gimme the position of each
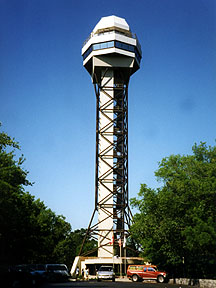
(119, 264)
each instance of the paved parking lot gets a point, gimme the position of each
(117, 284)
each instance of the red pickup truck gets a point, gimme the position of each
(145, 272)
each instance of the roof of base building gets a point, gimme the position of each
(111, 21)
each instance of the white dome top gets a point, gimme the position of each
(111, 21)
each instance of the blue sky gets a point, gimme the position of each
(48, 102)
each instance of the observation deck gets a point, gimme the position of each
(112, 37)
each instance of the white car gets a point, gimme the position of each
(105, 273)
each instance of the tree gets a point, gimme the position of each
(29, 231)
(176, 223)
(12, 179)
(69, 248)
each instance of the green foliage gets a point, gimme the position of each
(176, 223)
(29, 231)
(69, 248)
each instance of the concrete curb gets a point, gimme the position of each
(202, 283)
(122, 279)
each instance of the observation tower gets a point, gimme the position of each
(111, 54)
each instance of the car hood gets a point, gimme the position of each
(105, 273)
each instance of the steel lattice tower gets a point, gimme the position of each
(111, 55)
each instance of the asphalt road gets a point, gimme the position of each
(110, 284)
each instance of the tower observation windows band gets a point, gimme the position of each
(111, 44)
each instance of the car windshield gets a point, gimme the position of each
(105, 269)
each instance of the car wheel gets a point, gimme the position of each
(135, 278)
(160, 279)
